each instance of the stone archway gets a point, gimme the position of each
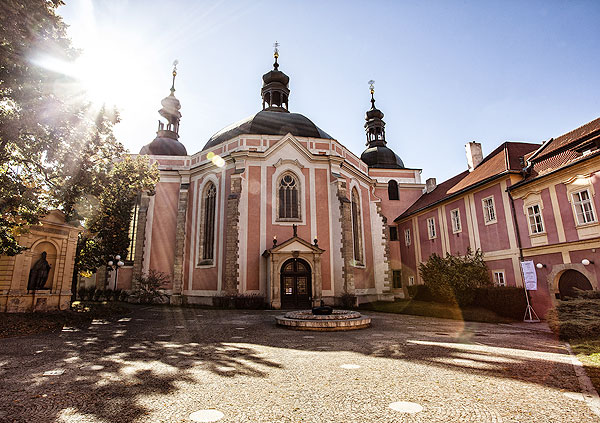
(296, 284)
(570, 281)
(558, 270)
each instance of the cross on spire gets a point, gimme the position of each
(372, 89)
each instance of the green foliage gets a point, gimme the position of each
(108, 224)
(576, 318)
(56, 149)
(504, 300)
(420, 293)
(150, 288)
(453, 279)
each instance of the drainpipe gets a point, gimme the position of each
(514, 216)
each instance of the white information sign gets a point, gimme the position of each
(529, 275)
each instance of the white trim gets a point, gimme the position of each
(148, 240)
(280, 170)
(262, 277)
(430, 228)
(313, 205)
(354, 184)
(209, 177)
(458, 229)
(590, 201)
(407, 237)
(487, 220)
(221, 232)
(496, 280)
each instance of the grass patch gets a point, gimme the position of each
(578, 321)
(81, 313)
(431, 309)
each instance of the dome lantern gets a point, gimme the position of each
(275, 92)
(377, 154)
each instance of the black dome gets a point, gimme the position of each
(382, 157)
(164, 146)
(269, 123)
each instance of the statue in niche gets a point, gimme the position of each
(38, 275)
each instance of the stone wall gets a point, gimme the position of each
(232, 221)
(347, 238)
(179, 245)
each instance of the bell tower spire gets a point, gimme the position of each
(377, 154)
(275, 92)
(375, 126)
(170, 110)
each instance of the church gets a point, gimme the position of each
(272, 206)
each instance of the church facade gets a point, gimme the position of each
(272, 206)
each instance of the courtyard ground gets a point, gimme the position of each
(161, 364)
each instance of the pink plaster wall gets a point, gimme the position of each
(566, 212)
(495, 236)
(429, 246)
(504, 264)
(459, 242)
(541, 299)
(254, 212)
(321, 196)
(125, 277)
(523, 223)
(408, 254)
(548, 216)
(364, 277)
(162, 251)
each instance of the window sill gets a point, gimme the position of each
(203, 264)
(587, 225)
(491, 222)
(457, 232)
(538, 234)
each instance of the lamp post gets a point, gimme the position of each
(115, 265)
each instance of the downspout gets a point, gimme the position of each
(515, 221)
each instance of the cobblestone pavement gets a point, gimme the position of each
(162, 364)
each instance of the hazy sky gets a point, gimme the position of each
(446, 72)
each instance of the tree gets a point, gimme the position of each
(106, 233)
(453, 279)
(56, 149)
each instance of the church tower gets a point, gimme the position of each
(167, 142)
(377, 154)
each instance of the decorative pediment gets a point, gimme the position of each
(292, 245)
(294, 162)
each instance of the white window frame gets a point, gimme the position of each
(411, 280)
(431, 228)
(536, 227)
(456, 223)
(581, 204)
(499, 277)
(489, 210)
(407, 237)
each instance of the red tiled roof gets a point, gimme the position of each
(562, 151)
(503, 159)
(571, 137)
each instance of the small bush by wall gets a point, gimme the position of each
(420, 293)
(453, 279)
(576, 318)
(505, 301)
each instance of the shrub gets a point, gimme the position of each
(420, 293)
(150, 288)
(108, 293)
(249, 301)
(116, 294)
(348, 300)
(576, 318)
(123, 296)
(98, 294)
(90, 293)
(82, 293)
(223, 301)
(504, 301)
(453, 279)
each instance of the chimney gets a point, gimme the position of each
(430, 185)
(474, 155)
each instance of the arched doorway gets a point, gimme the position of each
(296, 287)
(570, 280)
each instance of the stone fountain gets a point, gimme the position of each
(323, 318)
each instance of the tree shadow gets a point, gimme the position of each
(115, 370)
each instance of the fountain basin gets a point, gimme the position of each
(337, 320)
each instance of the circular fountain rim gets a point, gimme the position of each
(337, 321)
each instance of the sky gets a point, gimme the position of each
(446, 72)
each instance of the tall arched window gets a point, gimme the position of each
(289, 193)
(356, 227)
(393, 190)
(208, 243)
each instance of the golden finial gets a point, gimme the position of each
(175, 63)
(372, 86)
(276, 51)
